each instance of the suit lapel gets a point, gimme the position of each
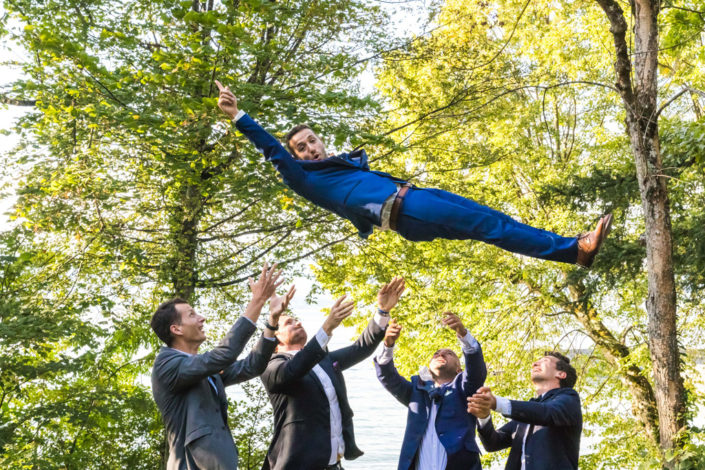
(222, 397)
(328, 369)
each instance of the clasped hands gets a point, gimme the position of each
(480, 403)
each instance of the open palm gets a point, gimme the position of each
(279, 303)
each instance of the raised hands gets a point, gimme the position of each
(278, 305)
(338, 312)
(389, 294)
(227, 101)
(453, 321)
(262, 289)
(482, 402)
(392, 334)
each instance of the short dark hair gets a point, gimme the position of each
(165, 316)
(563, 364)
(294, 130)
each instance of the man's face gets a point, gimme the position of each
(191, 328)
(544, 370)
(291, 332)
(307, 145)
(444, 364)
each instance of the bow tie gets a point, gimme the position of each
(436, 393)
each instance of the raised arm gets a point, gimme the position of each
(282, 371)
(179, 370)
(251, 366)
(479, 405)
(387, 298)
(475, 371)
(268, 145)
(562, 410)
(387, 373)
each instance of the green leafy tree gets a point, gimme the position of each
(512, 105)
(128, 173)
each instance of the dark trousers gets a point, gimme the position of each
(427, 214)
(464, 460)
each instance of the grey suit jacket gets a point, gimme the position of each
(194, 414)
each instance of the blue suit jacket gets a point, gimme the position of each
(554, 442)
(343, 184)
(454, 425)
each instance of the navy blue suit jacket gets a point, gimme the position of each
(343, 184)
(454, 425)
(555, 421)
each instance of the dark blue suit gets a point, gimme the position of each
(345, 185)
(455, 427)
(554, 422)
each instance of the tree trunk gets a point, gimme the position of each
(640, 99)
(616, 352)
(185, 224)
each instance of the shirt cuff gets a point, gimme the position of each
(322, 338)
(273, 338)
(239, 114)
(504, 406)
(253, 323)
(469, 343)
(381, 320)
(483, 421)
(385, 356)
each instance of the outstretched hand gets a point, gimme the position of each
(338, 312)
(226, 100)
(453, 321)
(262, 289)
(266, 285)
(480, 403)
(391, 335)
(389, 294)
(278, 304)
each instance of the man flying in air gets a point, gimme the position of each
(345, 185)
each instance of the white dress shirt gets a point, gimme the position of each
(432, 454)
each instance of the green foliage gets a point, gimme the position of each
(510, 104)
(133, 188)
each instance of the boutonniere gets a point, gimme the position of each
(336, 366)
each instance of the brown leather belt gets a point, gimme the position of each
(396, 207)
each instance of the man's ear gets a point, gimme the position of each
(561, 374)
(175, 329)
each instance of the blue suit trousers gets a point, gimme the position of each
(427, 214)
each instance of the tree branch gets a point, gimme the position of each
(4, 99)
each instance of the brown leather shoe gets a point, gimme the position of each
(589, 243)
